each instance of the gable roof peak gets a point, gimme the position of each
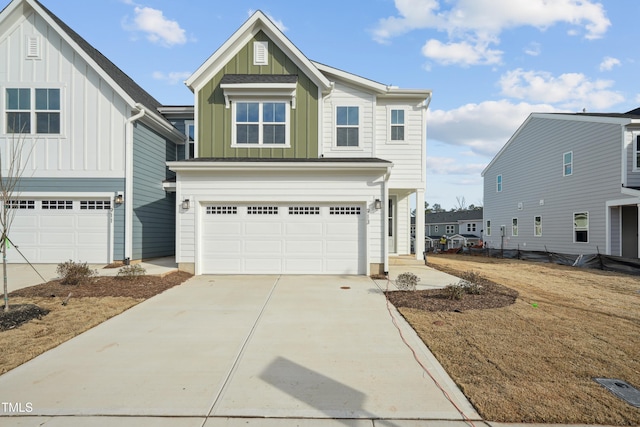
(257, 22)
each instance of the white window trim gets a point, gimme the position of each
(335, 128)
(575, 229)
(499, 183)
(535, 230)
(565, 164)
(391, 108)
(634, 150)
(287, 124)
(187, 124)
(32, 110)
(515, 228)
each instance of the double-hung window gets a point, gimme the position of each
(347, 126)
(261, 123)
(499, 183)
(581, 227)
(567, 163)
(397, 125)
(636, 148)
(32, 110)
(537, 226)
(514, 226)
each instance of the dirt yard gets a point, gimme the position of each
(534, 360)
(90, 304)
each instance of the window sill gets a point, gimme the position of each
(260, 145)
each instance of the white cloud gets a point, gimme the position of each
(277, 22)
(462, 53)
(608, 63)
(173, 77)
(453, 166)
(570, 90)
(483, 128)
(471, 24)
(156, 26)
(533, 49)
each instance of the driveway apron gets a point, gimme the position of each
(225, 347)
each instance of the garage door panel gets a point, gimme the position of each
(57, 220)
(63, 254)
(304, 229)
(254, 265)
(263, 228)
(60, 238)
(306, 247)
(223, 228)
(303, 266)
(266, 248)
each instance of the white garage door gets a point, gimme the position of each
(58, 230)
(283, 238)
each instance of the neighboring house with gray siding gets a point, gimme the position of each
(567, 183)
(93, 187)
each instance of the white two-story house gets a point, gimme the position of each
(298, 167)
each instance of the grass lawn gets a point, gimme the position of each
(534, 361)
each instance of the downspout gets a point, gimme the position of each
(385, 221)
(128, 183)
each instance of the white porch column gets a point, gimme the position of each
(419, 242)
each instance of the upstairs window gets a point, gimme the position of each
(499, 183)
(567, 163)
(347, 126)
(581, 227)
(450, 229)
(261, 123)
(397, 125)
(191, 134)
(471, 227)
(637, 151)
(25, 106)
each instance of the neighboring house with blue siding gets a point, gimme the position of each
(567, 183)
(93, 187)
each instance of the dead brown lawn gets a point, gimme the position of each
(90, 304)
(534, 361)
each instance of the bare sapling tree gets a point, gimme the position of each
(14, 155)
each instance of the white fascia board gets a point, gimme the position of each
(277, 166)
(629, 192)
(258, 21)
(585, 118)
(504, 147)
(352, 78)
(251, 86)
(103, 75)
(154, 120)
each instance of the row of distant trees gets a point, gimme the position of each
(461, 205)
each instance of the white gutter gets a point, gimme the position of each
(288, 166)
(128, 182)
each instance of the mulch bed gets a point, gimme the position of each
(493, 296)
(19, 314)
(141, 287)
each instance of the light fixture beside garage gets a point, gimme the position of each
(185, 204)
(119, 199)
(377, 204)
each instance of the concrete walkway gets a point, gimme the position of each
(241, 350)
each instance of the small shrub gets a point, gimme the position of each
(132, 271)
(72, 273)
(473, 282)
(454, 291)
(407, 282)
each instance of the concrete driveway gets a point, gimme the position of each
(234, 350)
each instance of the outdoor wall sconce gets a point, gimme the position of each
(119, 199)
(377, 204)
(185, 204)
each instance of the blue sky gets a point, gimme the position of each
(489, 63)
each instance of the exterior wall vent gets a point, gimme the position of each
(261, 53)
(33, 47)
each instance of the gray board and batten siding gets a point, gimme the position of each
(533, 184)
(154, 209)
